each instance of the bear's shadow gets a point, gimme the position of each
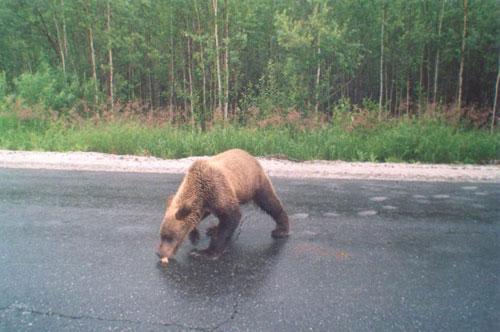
(239, 270)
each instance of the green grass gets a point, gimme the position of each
(395, 140)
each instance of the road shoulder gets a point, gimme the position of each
(93, 161)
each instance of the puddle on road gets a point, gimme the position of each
(367, 213)
(378, 198)
(441, 196)
(309, 233)
(299, 216)
(470, 188)
(423, 201)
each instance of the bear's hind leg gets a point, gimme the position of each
(267, 200)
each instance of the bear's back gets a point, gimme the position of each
(241, 170)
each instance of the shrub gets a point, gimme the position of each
(48, 87)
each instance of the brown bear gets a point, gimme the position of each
(218, 185)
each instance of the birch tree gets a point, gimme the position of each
(462, 57)
(110, 56)
(381, 91)
(217, 56)
(226, 60)
(436, 65)
(495, 98)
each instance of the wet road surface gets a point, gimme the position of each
(77, 253)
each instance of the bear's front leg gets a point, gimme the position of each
(194, 236)
(212, 231)
(228, 222)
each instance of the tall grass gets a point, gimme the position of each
(429, 141)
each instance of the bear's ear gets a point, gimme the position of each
(169, 200)
(183, 211)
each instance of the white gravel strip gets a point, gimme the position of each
(93, 161)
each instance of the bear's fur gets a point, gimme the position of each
(218, 185)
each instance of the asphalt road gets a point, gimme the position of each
(77, 253)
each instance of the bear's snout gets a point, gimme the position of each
(163, 253)
(160, 251)
(164, 250)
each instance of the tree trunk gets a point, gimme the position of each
(462, 56)
(387, 95)
(203, 73)
(391, 96)
(45, 30)
(396, 101)
(421, 83)
(172, 73)
(130, 92)
(213, 96)
(65, 36)
(226, 61)
(190, 78)
(427, 76)
(436, 67)
(150, 88)
(87, 6)
(381, 91)
(496, 96)
(184, 94)
(204, 78)
(110, 56)
(318, 73)
(94, 71)
(60, 45)
(217, 59)
(236, 88)
(408, 95)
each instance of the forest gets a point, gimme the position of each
(266, 62)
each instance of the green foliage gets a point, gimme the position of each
(428, 141)
(274, 58)
(278, 89)
(341, 108)
(48, 87)
(305, 55)
(312, 43)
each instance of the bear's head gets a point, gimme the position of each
(176, 225)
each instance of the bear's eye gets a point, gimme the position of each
(167, 238)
